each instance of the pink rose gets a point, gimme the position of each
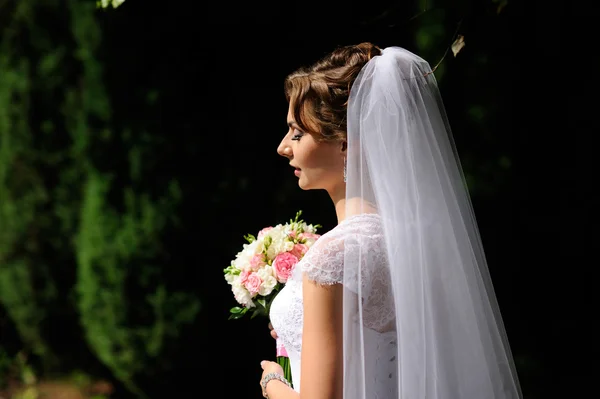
(253, 283)
(263, 232)
(257, 262)
(283, 265)
(244, 276)
(299, 250)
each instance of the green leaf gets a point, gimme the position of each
(237, 313)
(262, 302)
(255, 313)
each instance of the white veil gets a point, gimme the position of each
(448, 339)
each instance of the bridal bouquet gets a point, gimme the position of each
(263, 266)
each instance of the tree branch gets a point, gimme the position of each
(447, 49)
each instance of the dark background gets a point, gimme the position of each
(152, 93)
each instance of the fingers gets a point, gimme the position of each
(265, 363)
(273, 333)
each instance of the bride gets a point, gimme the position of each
(396, 300)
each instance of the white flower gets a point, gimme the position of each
(309, 228)
(241, 294)
(309, 241)
(249, 264)
(281, 243)
(288, 228)
(242, 259)
(267, 275)
(229, 277)
(277, 232)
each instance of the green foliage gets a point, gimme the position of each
(128, 314)
(109, 3)
(115, 251)
(17, 377)
(18, 380)
(26, 286)
(72, 223)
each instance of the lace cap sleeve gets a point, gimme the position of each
(356, 241)
(324, 262)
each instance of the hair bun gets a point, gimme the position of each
(369, 49)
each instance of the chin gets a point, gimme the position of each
(308, 186)
(304, 185)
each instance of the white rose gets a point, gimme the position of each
(242, 260)
(241, 294)
(255, 247)
(267, 275)
(283, 244)
(288, 245)
(274, 249)
(277, 232)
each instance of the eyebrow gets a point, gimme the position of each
(292, 124)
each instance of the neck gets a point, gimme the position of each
(347, 207)
(338, 196)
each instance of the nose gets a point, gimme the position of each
(284, 149)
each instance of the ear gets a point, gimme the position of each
(344, 146)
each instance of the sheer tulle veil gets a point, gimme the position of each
(448, 339)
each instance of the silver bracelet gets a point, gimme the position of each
(269, 377)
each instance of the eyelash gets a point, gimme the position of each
(298, 135)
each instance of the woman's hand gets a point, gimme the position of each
(269, 367)
(273, 333)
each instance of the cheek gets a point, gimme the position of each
(319, 157)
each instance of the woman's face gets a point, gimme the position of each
(318, 165)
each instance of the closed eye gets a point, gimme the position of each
(297, 135)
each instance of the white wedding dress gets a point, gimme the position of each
(358, 235)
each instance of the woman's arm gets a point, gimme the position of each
(322, 341)
(322, 336)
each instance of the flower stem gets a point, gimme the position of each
(284, 362)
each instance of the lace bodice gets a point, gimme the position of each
(357, 237)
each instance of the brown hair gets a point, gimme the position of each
(319, 94)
